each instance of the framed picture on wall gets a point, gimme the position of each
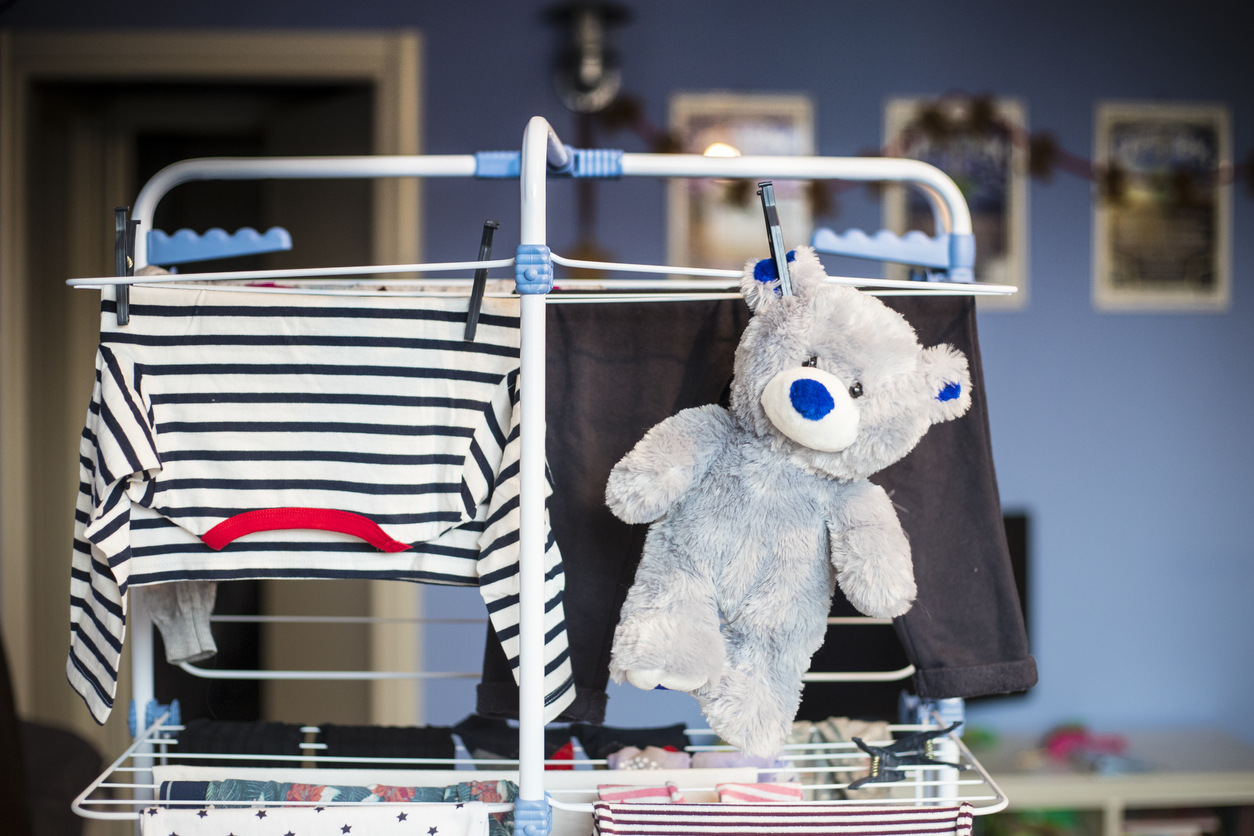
(1162, 222)
(979, 152)
(718, 223)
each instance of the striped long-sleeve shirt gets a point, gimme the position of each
(241, 435)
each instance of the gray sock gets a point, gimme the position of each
(181, 612)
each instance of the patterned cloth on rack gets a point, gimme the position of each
(723, 819)
(468, 819)
(650, 757)
(243, 435)
(839, 730)
(489, 792)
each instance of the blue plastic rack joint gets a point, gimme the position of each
(952, 255)
(533, 818)
(533, 269)
(152, 711)
(598, 163)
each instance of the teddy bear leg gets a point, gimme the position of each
(668, 633)
(753, 705)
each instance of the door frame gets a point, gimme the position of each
(389, 62)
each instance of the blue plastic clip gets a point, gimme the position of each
(532, 818)
(533, 268)
(152, 711)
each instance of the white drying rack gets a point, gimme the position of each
(542, 154)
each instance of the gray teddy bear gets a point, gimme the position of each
(759, 510)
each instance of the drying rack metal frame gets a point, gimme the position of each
(543, 154)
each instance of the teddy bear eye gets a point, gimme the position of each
(813, 361)
(855, 391)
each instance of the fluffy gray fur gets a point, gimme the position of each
(751, 530)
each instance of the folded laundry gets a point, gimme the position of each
(701, 819)
(466, 819)
(725, 760)
(651, 757)
(388, 742)
(839, 730)
(668, 793)
(490, 737)
(758, 793)
(220, 737)
(602, 741)
(237, 791)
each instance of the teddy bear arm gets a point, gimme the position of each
(870, 552)
(664, 464)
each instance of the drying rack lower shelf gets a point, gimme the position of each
(127, 786)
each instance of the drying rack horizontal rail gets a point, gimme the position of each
(329, 273)
(318, 676)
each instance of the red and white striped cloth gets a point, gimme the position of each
(636, 794)
(755, 819)
(757, 793)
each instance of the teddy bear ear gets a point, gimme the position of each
(760, 285)
(945, 370)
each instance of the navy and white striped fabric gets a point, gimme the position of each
(211, 404)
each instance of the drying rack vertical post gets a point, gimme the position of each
(533, 275)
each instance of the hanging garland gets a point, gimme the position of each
(947, 119)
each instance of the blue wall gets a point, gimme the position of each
(1120, 433)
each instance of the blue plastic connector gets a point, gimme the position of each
(601, 163)
(533, 268)
(961, 258)
(598, 163)
(532, 818)
(498, 165)
(152, 711)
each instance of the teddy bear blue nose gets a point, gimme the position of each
(810, 398)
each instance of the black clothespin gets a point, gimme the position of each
(481, 280)
(911, 750)
(123, 260)
(775, 236)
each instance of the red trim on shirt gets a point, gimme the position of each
(321, 519)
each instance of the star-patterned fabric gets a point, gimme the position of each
(468, 819)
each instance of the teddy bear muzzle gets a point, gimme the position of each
(813, 408)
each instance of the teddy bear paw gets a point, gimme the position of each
(649, 679)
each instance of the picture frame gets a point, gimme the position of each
(1163, 214)
(990, 168)
(718, 223)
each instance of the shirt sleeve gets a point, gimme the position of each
(117, 459)
(499, 556)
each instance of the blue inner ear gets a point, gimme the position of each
(764, 271)
(951, 391)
